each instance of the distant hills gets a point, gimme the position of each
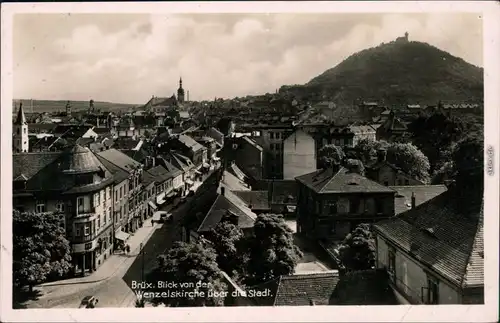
(60, 105)
(399, 72)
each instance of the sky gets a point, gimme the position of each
(128, 58)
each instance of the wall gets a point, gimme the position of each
(299, 155)
(249, 157)
(390, 177)
(410, 276)
(120, 209)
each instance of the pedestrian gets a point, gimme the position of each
(128, 249)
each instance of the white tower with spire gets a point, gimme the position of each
(20, 128)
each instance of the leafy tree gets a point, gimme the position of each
(226, 238)
(410, 159)
(40, 248)
(356, 166)
(330, 155)
(357, 251)
(194, 265)
(366, 149)
(468, 168)
(434, 135)
(272, 251)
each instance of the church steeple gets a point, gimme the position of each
(21, 118)
(180, 92)
(20, 139)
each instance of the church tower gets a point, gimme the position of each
(20, 139)
(180, 92)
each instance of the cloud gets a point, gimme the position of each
(216, 55)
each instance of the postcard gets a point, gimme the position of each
(253, 161)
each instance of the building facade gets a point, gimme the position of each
(299, 155)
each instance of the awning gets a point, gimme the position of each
(153, 206)
(171, 194)
(123, 236)
(189, 182)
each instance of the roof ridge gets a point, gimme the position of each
(474, 242)
(331, 179)
(209, 211)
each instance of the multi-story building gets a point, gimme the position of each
(134, 207)
(332, 202)
(299, 155)
(77, 185)
(387, 174)
(434, 253)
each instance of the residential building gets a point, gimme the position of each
(434, 253)
(392, 128)
(367, 287)
(299, 155)
(364, 132)
(228, 206)
(385, 173)
(75, 184)
(120, 207)
(332, 202)
(20, 137)
(135, 206)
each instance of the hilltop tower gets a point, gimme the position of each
(20, 140)
(406, 36)
(180, 92)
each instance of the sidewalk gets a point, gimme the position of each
(115, 261)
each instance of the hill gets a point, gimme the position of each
(60, 105)
(399, 72)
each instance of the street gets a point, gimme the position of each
(116, 291)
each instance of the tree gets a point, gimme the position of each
(40, 248)
(468, 168)
(366, 149)
(410, 159)
(226, 239)
(193, 268)
(272, 251)
(330, 155)
(434, 134)
(356, 166)
(357, 251)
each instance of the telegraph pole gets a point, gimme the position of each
(142, 255)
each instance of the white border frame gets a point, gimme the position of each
(440, 313)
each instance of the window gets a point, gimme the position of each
(392, 262)
(109, 214)
(79, 204)
(40, 207)
(97, 199)
(272, 146)
(116, 196)
(60, 207)
(337, 142)
(98, 222)
(121, 192)
(379, 206)
(430, 294)
(103, 195)
(271, 135)
(18, 131)
(24, 130)
(87, 229)
(104, 218)
(332, 208)
(77, 231)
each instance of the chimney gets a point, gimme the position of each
(222, 190)
(413, 201)
(381, 155)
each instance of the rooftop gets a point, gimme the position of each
(328, 181)
(442, 237)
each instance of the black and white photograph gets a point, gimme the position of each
(249, 160)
